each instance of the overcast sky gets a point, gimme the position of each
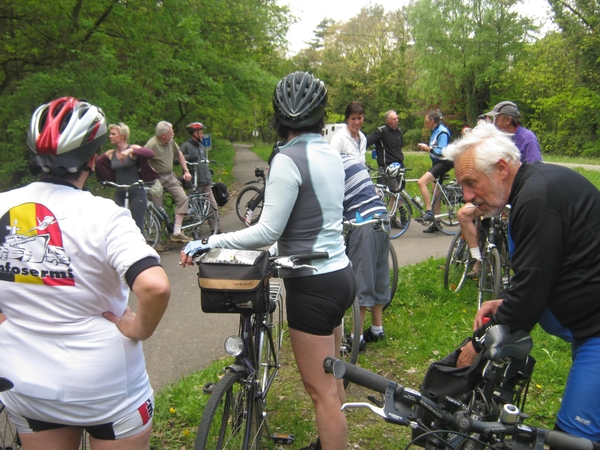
(312, 12)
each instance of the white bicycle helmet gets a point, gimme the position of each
(65, 133)
(393, 170)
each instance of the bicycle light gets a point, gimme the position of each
(234, 345)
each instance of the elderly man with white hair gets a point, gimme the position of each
(554, 242)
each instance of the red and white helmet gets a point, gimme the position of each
(66, 133)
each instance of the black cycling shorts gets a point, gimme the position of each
(440, 168)
(316, 304)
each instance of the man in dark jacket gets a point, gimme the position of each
(193, 151)
(554, 242)
(388, 141)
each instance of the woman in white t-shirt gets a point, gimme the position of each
(351, 140)
(69, 342)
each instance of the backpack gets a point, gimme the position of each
(220, 192)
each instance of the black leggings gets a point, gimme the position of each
(316, 304)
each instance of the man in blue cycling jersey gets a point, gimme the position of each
(440, 138)
(554, 243)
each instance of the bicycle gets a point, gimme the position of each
(495, 258)
(235, 416)
(474, 425)
(158, 221)
(251, 198)
(351, 321)
(446, 203)
(8, 434)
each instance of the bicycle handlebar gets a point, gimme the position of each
(202, 161)
(377, 219)
(399, 409)
(123, 186)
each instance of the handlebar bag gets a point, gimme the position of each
(443, 378)
(234, 281)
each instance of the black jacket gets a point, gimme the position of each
(388, 143)
(555, 244)
(194, 152)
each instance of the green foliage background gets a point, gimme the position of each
(218, 61)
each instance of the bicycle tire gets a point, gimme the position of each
(490, 278)
(351, 335)
(400, 218)
(230, 418)
(393, 263)
(151, 228)
(458, 263)
(247, 195)
(8, 434)
(446, 215)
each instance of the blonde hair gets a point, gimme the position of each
(122, 128)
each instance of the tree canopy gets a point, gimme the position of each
(217, 62)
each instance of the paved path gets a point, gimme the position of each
(187, 340)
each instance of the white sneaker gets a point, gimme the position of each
(248, 219)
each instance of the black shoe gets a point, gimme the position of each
(428, 216)
(433, 228)
(347, 345)
(369, 336)
(394, 223)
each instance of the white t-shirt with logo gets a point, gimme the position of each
(64, 254)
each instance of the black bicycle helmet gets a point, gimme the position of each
(194, 126)
(66, 133)
(299, 100)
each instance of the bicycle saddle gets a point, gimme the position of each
(501, 344)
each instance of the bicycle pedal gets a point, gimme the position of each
(283, 438)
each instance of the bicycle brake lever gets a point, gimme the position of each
(310, 267)
(284, 263)
(375, 409)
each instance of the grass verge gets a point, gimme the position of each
(424, 323)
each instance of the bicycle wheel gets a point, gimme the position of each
(393, 262)
(351, 335)
(400, 216)
(490, 278)
(446, 214)
(245, 197)
(8, 434)
(151, 228)
(458, 263)
(230, 418)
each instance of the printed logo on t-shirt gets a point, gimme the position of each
(31, 247)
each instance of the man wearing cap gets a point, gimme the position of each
(506, 117)
(193, 151)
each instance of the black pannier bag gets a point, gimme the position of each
(234, 281)
(443, 378)
(221, 194)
